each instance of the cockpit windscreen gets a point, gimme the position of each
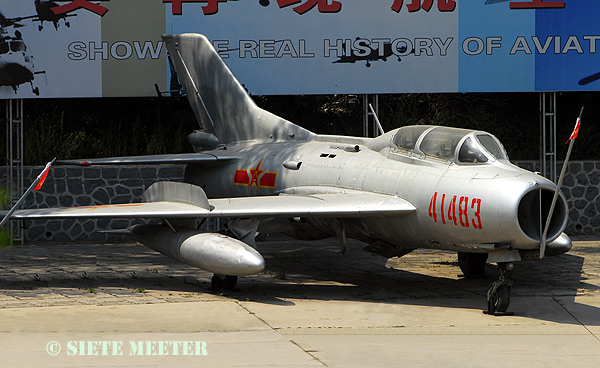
(441, 142)
(489, 143)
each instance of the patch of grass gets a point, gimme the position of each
(5, 240)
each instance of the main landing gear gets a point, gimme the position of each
(219, 282)
(498, 295)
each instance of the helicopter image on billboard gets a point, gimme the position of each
(45, 13)
(16, 64)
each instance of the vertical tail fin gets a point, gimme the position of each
(220, 103)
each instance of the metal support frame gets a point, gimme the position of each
(14, 158)
(548, 135)
(369, 125)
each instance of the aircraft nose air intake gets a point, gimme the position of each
(533, 211)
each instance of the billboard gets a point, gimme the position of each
(112, 48)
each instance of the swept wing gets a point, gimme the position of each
(355, 204)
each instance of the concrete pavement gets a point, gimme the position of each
(125, 305)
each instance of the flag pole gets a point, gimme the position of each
(571, 141)
(36, 185)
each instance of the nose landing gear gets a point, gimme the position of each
(498, 295)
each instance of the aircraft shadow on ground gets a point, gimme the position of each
(309, 270)
(423, 278)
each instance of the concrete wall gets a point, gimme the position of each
(74, 186)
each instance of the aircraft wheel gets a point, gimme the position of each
(368, 65)
(68, 24)
(36, 91)
(498, 297)
(218, 283)
(40, 27)
(230, 282)
(472, 264)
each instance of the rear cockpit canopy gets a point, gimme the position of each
(461, 146)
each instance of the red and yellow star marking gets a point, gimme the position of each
(256, 176)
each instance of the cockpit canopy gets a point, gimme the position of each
(450, 144)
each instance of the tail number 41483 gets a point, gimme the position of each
(463, 211)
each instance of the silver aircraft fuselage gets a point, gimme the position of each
(461, 206)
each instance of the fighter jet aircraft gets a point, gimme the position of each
(530, 4)
(414, 187)
(589, 79)
(373, 55)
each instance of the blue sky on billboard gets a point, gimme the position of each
(580, 39)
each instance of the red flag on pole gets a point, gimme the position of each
(575, 130)
(43, 176)
(38, 182)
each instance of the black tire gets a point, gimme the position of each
(472, 264)
(216, 283)
(230, 282)
(227, 283)
(499, 299)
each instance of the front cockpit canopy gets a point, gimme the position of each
(449, 144)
